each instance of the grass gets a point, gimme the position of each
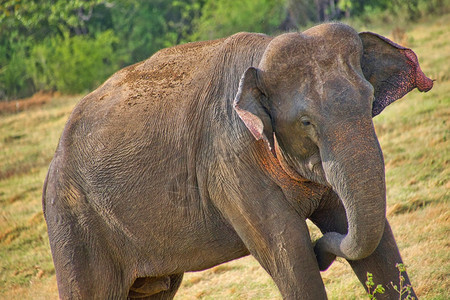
(414, 134)
(28, 140)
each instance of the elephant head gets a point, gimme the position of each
(312, 99)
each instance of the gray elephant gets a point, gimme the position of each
(210, 151)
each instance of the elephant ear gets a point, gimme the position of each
(248, 104)
(393, 70)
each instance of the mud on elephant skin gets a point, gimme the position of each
(210, 151)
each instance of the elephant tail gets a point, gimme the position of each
(44, 190)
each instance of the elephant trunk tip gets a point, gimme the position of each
(349, 246)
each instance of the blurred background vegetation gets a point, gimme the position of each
(73, 46)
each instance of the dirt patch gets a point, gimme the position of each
(38, 99)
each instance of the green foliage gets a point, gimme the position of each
(182, 18)
(39, 18)
(13, 79)
(37, 36)
(31, 31)
(72, 64)
(144, 27)
(399, 9)
(35, 20)
(222, 17)
(72, 46)
(401, 288)
(379, 289)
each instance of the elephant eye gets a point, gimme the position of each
(306, 123)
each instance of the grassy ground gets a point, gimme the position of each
(414, 134)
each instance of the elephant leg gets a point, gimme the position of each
(381, 263)
(83, 271)
(278, 237)
(168, 287)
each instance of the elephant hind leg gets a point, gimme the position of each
(155, 287)
(86, 271)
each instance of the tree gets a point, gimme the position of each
(222, 17)
(24, 23)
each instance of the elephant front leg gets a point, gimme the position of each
(381, 263)
(279, 239)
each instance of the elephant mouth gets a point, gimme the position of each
(315, 170)
(310, 168)
(314, 162)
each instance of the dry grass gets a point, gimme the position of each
(36, 100)
(226, 282)
(414, 134)
(28, 140)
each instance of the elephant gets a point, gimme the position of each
(210, 151)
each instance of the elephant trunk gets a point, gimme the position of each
(354, 167)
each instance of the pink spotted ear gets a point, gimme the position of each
(393, 70)
(248, 106)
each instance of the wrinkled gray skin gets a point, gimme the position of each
(211, 151)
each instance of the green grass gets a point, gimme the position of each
(414, 134)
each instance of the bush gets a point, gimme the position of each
(72, 64)
(222, 17)
(14, 81)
